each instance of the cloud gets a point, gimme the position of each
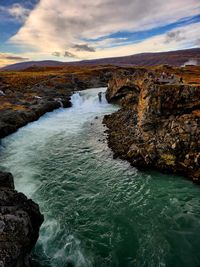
(78, 26)
(69, 54)
(56, 54)
(155, 44)
(8, 58)
(84, 47)
(12, 57)
(15, 11)
(175, 36)
(110, 42)
(19, 12)
(66, 54)
(197, 42)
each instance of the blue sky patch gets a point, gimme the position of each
(128, 37)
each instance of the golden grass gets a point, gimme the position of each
(8, 105)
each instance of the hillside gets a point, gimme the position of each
(174, 58)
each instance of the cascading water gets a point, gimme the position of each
(99, 211)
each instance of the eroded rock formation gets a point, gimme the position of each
(20, 221)
(158, 125)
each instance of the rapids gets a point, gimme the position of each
(99, 212)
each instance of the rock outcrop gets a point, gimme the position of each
(158, 125)
(20, 221)
(11, 121)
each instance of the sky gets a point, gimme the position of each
(69, 30)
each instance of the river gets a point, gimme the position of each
(99, 212)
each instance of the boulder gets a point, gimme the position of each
(20, 221)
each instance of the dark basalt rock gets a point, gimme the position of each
(11, 120)
(6, 180)
(158, 125)
(20, 221)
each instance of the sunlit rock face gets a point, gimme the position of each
(20, 221)
(158, 125)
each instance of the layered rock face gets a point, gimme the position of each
(20, 221)
(158, 125)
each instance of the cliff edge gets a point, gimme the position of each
(158, 125)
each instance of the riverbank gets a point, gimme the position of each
(158, 126)
(27, 95)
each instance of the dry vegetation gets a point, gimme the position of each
(18, 85)
(190, 74)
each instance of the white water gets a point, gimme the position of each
(22, 153)
(62, 121)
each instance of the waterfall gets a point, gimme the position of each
(76, 99)
(89, 101)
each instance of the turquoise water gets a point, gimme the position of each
(98, 211)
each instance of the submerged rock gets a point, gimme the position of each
(20, 221)
(158, 125)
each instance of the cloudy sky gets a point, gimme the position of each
(71, 30)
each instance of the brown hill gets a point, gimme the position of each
(174, 58)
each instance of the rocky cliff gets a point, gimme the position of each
(158, 125)
(20, 221)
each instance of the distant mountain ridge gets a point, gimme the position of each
(174, 58)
